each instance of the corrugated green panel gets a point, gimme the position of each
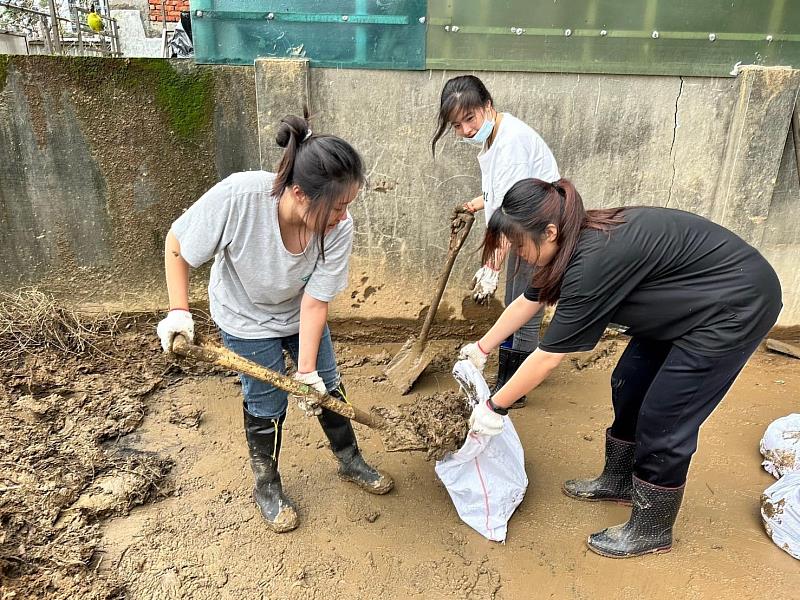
(379, 34)
(665, 37)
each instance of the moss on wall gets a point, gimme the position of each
(4, 60)
(184, 95)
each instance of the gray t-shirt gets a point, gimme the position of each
(256, 284)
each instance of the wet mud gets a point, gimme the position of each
(435, 424)
(125, 474)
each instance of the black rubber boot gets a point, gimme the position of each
(264, 441)
(508, 364)
(614, 483)
(352, 466)
(649, 530)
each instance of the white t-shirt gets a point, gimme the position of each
(518, 152)
(256, 284)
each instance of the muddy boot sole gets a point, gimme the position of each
(568, 494)
(601, 552)
(383, 486)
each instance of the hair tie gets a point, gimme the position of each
(308, 135)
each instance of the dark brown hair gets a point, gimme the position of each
(528, 208)
(324, 166)
(465, 92)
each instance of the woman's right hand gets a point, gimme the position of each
(474, 205)
(177, 322)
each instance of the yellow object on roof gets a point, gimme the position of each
(94, 21)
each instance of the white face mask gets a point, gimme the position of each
(482, 135)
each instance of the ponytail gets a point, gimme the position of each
(528, 208)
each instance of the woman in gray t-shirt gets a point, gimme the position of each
(281, 247)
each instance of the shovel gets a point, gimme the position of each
(415, 355)
(395, 436)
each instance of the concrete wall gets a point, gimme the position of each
(91, 172)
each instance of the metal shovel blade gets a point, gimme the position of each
(409, 363)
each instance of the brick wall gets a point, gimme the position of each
(172, 9)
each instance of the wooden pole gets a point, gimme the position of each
(209, 352)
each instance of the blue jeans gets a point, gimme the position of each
(262, 399)
(526, 338)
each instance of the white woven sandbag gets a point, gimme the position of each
(780, 511)
(780, 446)
(486, 477)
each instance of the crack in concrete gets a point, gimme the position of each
(672, 145)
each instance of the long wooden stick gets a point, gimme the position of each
(212, 353)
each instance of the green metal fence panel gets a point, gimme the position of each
(379, 34)
(664, 37)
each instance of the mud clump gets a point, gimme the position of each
(435, 424)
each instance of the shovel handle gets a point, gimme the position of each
(210, 352)
(461, 223)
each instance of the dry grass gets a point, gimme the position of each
(32, 321)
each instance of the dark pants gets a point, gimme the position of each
(661, 395)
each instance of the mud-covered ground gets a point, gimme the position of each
(131, 480)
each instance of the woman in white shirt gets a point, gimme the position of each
(510, 151)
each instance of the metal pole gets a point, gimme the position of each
(115, 30)
(796, 135)
(78, 29)
(55, 27)
(361, 33)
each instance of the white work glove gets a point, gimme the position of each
(484, 420)
(473, 353)
(309, 404)
(176, 322)
(484, 284)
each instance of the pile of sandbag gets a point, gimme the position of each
(780, 503)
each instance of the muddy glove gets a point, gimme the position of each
(474, 354)
(484, 420)
(484, 284)
(309, 404)
(177, 322)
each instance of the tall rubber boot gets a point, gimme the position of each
(649, 530)
(264, 438)
(352, 466)
(614, 483)
(509, 361)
